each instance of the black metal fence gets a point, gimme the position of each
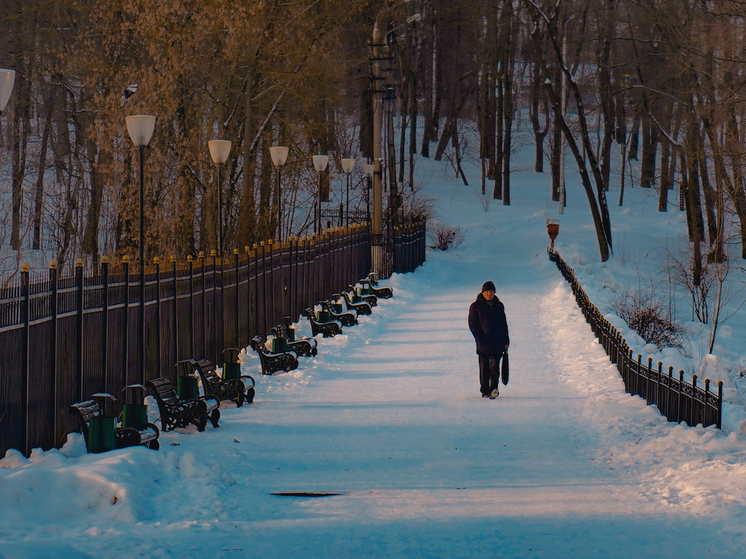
(63, 339)
(409, 247)
(677, 400)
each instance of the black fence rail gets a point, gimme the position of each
(409, 247)
(676, 399)
(66, 337)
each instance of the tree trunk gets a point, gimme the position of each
(20, 131)
(649, 149)
(39, 197)
(665, 184)
(535, 103)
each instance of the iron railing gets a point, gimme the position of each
(64, 338)
(676, 399)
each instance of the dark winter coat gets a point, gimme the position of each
(489, 325)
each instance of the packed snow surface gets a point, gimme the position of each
(388, 418)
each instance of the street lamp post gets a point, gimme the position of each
(219, 150)
(319, 163)
(348, 165)
(279, 155)
(140, 128)
(7, 79)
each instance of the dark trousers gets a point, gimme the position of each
(489, 372)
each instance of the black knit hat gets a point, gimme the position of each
(488, 286)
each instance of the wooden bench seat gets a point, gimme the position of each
(380, 292)
(273, 362)
(176, 412)
(235, 390)
(146, 435)
(326, 329)
(302, 347)
(361, 307)
(369, 298)
(345, 317)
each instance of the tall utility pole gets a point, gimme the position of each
(377, 238)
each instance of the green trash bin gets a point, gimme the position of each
(186, 388)
(290, 333)
(279, 345)
(231, 365)
(336, 307)
(322, 316)
(231, 371)
(134, 415)
(101, 436)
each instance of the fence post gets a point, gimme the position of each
(141, 322)
(287, 280)
(706, 411)
(190, 263)
(26, 294)
(720, 405)
(174, 317)
(669, 411)
(248, 293)
(105, 329)
(637, 376)
(678, 404)
(79, 331)
(268, 247)
(649, 376)
(256, 288)
(307, 286)
(54, 280)
(214, 256)
(220, 346)
(692, 404)
(157, 263)
(204, 303)
(126, 318)
(259, 329)
(658, 387)
(236, 305)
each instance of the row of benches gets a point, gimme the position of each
(340, 311)
(101, 432)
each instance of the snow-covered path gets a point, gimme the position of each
(428, 468)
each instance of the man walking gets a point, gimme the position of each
(489, 327)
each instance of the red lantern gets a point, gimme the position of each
(552, 230)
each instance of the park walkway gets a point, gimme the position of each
(393, 421)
